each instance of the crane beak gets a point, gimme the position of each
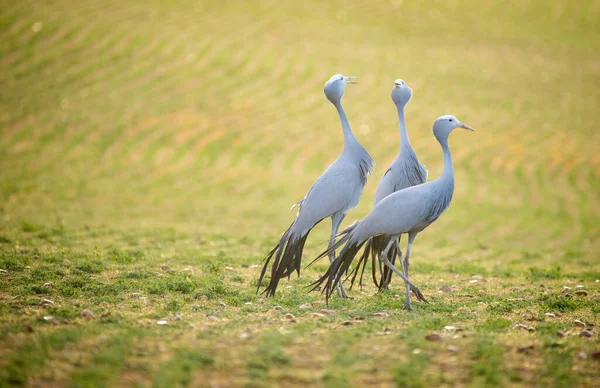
(348, 80)
(465, 126)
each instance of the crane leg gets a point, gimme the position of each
(412, 287)
(336, 220)
(406, 264)
(386, 281)
(407, 305)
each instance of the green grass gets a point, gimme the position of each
(150, 152)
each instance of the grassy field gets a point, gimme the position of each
(150, 151)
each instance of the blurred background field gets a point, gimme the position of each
(185, 130)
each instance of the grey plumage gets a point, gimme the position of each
(441, 201)
(406, 211)
(336, 191)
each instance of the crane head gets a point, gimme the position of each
(334, 88)
(401, 93)
(445, 124)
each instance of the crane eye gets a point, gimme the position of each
(450, 120)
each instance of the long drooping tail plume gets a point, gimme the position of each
(288, 255)
(340, 265)
(374, 248)
(379, 245)
(362, 262)
(337, 269)
(344, 234)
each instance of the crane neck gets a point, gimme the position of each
(448, 173)
(348, 135)
(404, 141)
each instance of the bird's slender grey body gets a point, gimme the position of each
(336, 191)
(406, 211)
(405, 171)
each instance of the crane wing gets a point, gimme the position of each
(337, 190)
(424, 173)
(398, 213)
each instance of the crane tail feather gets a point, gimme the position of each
(381, 275)
(385, 274)
(372, 249)
(274, 252)
(286, 256)
(337, 269)
(344, 234)
(362, 261)
(335, 246)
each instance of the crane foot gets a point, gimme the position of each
(418, 294)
